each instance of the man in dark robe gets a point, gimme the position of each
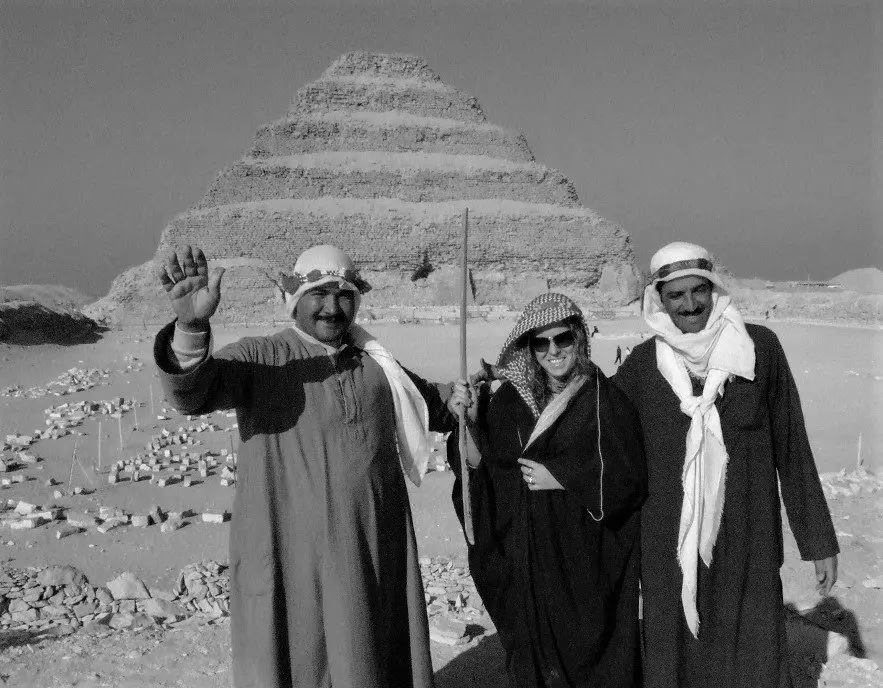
(723, 429)
(325, 582)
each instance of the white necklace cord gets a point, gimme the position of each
(600, 455)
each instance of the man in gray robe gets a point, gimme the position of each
(325, 583)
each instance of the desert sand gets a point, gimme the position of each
(839, 371)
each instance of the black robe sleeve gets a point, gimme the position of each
(221, 381)
(802, 493)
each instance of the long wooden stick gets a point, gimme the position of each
(464, 467)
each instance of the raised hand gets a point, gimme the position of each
(194, 293)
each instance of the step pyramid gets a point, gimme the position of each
(381, 158)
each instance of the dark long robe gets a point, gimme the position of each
(741, 634)
(325, 582)
(561, 587)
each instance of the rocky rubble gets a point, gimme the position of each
(70, 382)
(43, 598)
(850, 483)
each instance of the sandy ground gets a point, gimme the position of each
(839, 372)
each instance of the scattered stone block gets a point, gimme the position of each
(448, 631)
(171, 524)
(81, 519)
(25, 508)
(140, 520)
(156, 514)
(27, 458)
(27, 523)
(162, 609)
(214, 518)
(127, 586)
(111, 523)
(66, 530)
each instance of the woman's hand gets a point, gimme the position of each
(537, 476)
(464, 397)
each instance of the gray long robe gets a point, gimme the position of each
(741, 640)
(324, 579)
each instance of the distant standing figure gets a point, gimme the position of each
(618, 358)
(628, 350)
(724, 432)
(594, 331)
(325, 586)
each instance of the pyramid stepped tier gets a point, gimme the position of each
(381, 158)
(413, 177)
(390, 234)
(412, 96)
(387, 131)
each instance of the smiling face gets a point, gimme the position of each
(687, 300)
(326, 313)
(557, 358)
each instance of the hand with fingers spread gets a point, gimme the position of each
(194, 293)
(537, 476)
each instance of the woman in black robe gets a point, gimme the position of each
(560, 476)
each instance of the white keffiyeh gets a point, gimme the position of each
(722, 349)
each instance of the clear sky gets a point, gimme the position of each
(753, 127)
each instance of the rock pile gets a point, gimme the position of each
(850, 483)
(456, 613)
(70, 382)
(204, 588)
(60, 419)
(42, 598)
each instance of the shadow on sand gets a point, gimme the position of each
(808, 638)
(482, 665)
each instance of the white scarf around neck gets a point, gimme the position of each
(723, 348)
(412, 414)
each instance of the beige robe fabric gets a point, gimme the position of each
(325, 583)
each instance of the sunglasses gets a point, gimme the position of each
(562, 341)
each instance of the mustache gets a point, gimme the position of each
(696, 311)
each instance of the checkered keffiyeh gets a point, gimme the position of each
(516, 356)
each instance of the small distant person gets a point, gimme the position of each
(594, 331)
(325, 585)
(723, 430)
(628, 350)
(618, 358)
(560, 477)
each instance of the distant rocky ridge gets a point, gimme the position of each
(44, 314)
(381, 158)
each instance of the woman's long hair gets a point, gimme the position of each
(583, 365)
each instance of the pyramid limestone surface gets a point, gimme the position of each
(380, 157)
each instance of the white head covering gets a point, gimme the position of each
(319, 265)
(720, 350)
(327, 264)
